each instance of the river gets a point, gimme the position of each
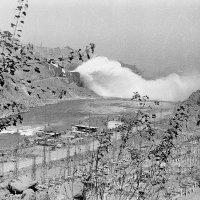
(64, 114)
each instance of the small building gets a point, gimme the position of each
(52, 134)
(114, 124)
(83, 129)
(57, 69)
(43, 134)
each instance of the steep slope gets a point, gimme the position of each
(40, 83)
(55, 53)
(43, 83)
(194, 98)
(193, 101)
(63, 52)
(46, 88)
(193, 104)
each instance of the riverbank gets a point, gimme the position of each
(64, 114)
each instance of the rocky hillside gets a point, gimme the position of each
(193, 104)
(62, 52)
(193, 100)
(44, 83)
(41, 83)
(55, 53)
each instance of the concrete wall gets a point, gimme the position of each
(55, 70)
(58, 71)
(74, 77)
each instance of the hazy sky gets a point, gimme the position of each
(149, 33)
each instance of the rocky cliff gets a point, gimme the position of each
(43, 83)
(193, 107)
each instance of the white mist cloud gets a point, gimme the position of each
(109, 79)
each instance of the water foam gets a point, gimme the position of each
(109, 79)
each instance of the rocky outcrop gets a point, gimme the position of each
(44, 83)
(193, 101)
(194, 98)
(55, 53)
(193, 107)
(18, 186)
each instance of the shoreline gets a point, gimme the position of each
(57, 101)
(28, 129)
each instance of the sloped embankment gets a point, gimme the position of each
(38, 85)
(193, 108)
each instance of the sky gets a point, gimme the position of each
(152, 34)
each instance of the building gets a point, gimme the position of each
(56, 69)
(74, 77)
(83, 129)
(42, 134)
